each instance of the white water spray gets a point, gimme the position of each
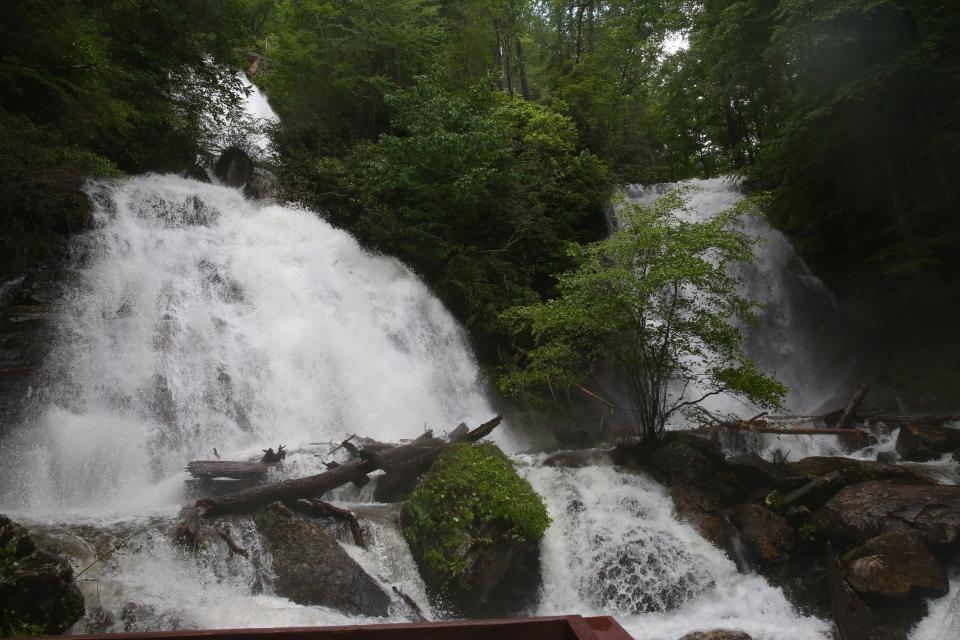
(615, 547)
(201, 320)
(789, 339)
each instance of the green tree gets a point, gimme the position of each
(479, 193)
(657, 300)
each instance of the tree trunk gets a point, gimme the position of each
(209, 469)
(399, 462)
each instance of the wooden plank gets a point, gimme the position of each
(545, 628)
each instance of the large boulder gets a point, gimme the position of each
(767, 537)
(474, 526)
(754, 471)
(312, 568)
(234, 167)
(923, 442)
(866, 510)
(261, 184)
(853, 471)
(896, 565)
(37, 592)
(705, 512)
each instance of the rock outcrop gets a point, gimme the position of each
(766, 536)
(234, 167)
(896, 565)
(923, 442)
(866, 510)
(312, 568)
(37, 593)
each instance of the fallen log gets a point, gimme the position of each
(209, 469)
(850, 411)
(308, 487)
(314, 507)
(809, 431)
(400, 461)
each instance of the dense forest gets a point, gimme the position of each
(477, 139)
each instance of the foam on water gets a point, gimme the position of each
(615, 548)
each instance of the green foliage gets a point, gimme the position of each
(469, 493)
(480, 193)
(97, 88)
(656, 298)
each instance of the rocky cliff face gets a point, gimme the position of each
(26, 308)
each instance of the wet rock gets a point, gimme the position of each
(717, 634)
(766, 536)
(234, 167)
(924, 442)
(140, 617)
(755, 471)
(577, 458)
(37, 593)
(198, 173)
(866, 510)
(705, 512)
(896, 565)
(312, 568)
(679, 459)
(261, 184)
(26, 311)
(854, 471)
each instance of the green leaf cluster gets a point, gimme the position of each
(470, 493)
(99, 88)
(657, 299)
(479, 192)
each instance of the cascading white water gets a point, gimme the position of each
(615, 547)
(198, 319)
(201, 320)
(790, 338)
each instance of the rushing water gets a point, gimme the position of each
(198, 320)
(794, 336)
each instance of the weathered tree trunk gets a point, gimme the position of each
(850, 411)
(399, 461)
(314, 507)
(522, 68)
(208, 469)
(309, 487)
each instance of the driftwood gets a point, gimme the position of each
(808, 431)
(850, 411)
(209, 469)
(270, 456)
(400, 461)
(314, 507)
(308, 487)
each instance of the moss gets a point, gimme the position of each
(471, 494)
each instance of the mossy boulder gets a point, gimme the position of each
(474, 526)
(37, 593)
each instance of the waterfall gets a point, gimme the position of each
(795, 337)
(195, 320)
(200, 320)
(615, 547)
